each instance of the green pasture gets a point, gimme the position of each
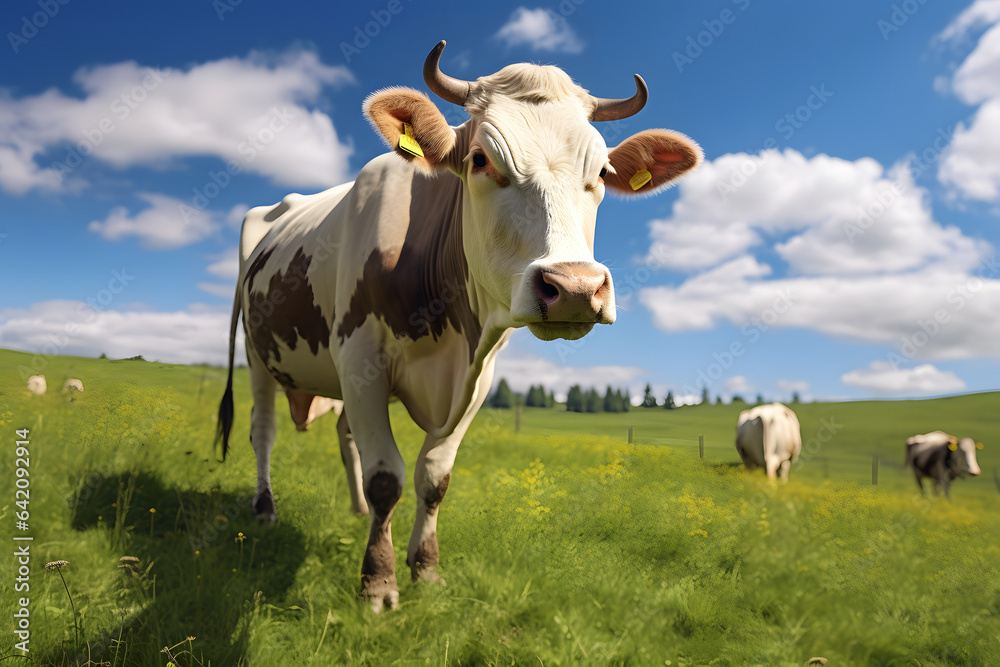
(562, 544)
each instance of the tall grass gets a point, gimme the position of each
(560, 544)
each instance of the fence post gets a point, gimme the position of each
(517, 419)
(874, 469)
(630, 435)
(701, 446)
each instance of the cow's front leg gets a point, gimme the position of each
(430, 481)
(383, 473)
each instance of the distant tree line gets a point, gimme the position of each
(589, 400)
(580, 400)
(505, 399)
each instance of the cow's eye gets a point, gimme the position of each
(604, 172)
(478, 160)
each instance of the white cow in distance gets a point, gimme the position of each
(72, 385)
(768, 436)
(36, 385)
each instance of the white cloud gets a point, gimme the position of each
(839, 217)
(887, 378)
(738, 384)
(235, 109)
(978, 14)
(866, 259)
(226, 265)
(168, 223)
(522, 371)
(971, 166)
(234, 218)
(196, 334)
(540, 29)
(217, 289)
(939, 312)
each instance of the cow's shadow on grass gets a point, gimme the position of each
(195, 564)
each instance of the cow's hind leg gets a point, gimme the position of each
(771, 465)
(352, 464)
(263, 428)
(430, 481)
(783, 468)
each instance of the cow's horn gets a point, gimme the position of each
(447, 88)
(616, 109)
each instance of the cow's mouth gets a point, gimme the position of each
(549, 330)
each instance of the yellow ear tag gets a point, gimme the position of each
(953, 446)
(979, 445)
(640, 179)
(953, 440)
(408, 143)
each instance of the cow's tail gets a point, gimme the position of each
(226, 406)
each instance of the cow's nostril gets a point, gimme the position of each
(547, 290)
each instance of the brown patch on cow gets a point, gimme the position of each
(284, 379)
(383, 493)
(285, 310)
(434, 496)
(378, 569)
(421, 289)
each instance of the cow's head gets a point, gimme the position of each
(534, 170)
(965, 456)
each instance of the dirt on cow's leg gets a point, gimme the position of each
(378, 570)
(422, 556)
(263, 506)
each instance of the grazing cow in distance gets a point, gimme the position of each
(36, 385)
(768, 436)
(73, 385)
(407, 283)
(942, 458)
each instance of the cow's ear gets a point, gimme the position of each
(650, 161)
(430, 138)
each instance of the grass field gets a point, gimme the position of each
(561, 544)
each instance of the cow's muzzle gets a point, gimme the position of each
(564, 299)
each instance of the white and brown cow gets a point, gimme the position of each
(407, 283)
(768, 436)
(942, 458)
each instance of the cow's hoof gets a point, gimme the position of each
(380, 594)
(427, 574)
(263, 507)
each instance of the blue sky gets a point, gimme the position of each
(838, 241)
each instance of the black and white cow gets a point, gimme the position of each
(942, 458)
(407, 283)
